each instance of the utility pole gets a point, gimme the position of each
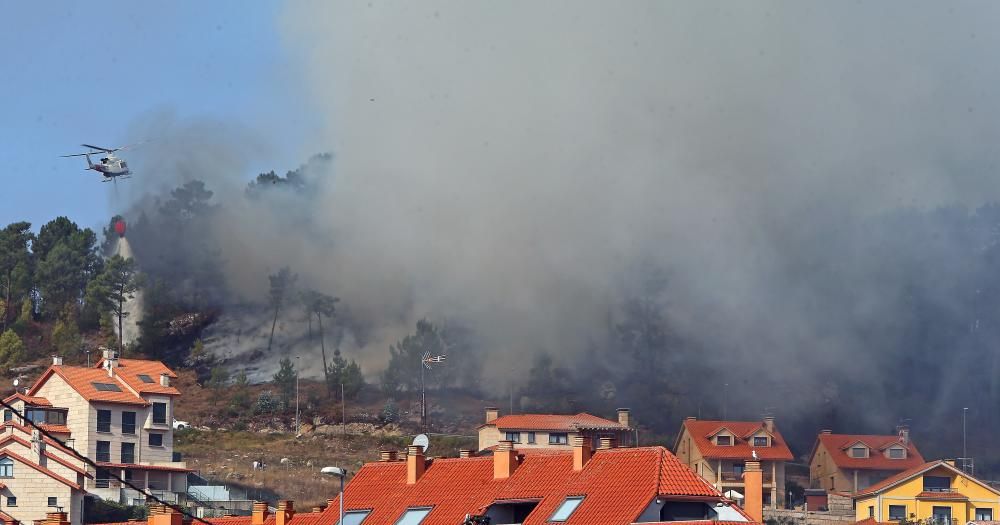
(297, 396)
(965, 452)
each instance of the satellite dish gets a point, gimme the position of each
(422, 442)
(17, 382)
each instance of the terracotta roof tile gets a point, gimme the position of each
(896, 478)
(700, 430)
(36, 401)
(130, 369)
(83, 379)
(835, 445)
(556, 422)
(25, 461)
(942, 495)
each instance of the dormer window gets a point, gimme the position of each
(760, 441)
(724, 441)
(859, 452)
(897, 453)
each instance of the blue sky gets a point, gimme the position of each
(83, 72)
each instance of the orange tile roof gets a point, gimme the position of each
(904, 475)
(39, 468)
(701, 430)
(130, 369)
(617, 484)
(942, 495)
(136, 466)
(873, 521)
(836, 445)
(82, 380)
(24, 443)
(565, 423)
(36, 401)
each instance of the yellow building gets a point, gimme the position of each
(935, 490)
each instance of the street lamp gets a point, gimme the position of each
(341, 473)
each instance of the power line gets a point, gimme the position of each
(93, 464)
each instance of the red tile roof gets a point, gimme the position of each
(942, 495)
(902, 476)
(555, 422)
(701, 431)
(24, 443)
(82, 380)
(617, 484)
(39, 468)
(837, 446)
(36, 401)
(873, 521)
(136, 466)
(130, 369)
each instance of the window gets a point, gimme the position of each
(897, 453)
(128, 423)
(55, 417)
(104, 421)
(513, 436)
(102, 479)
(6, 468)
(897, 512)
(53, 502)
(104, 451)
(34, 414)
(568, 506)
(160, 413)
(760, 441)
(556, 438)
(128, 452)
(723, 441)
(11, 501)
(510, 511)
(984, 514)
(937, 484)
(414, 516)
(871, 511)
(738, 469)
(355, 517)
(8, 415)
(531, 438)
(106, 387)
(155, 440)
(941, 515)
(859, 452)
(145, 378)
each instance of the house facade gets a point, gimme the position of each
(936, 491)
(553, 431)
(118, 413)
(718, 450)
(852, 462)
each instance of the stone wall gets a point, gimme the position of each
(841, 512)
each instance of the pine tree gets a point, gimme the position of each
(11, 349)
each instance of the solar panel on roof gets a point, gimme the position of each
(145, 378)
(107, 387)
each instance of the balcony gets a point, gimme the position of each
(736, 477)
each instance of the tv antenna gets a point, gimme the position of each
(426, 360)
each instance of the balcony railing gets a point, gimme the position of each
(737, 476)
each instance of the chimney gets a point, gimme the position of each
(37, 447)
(625, 417)
(690, 418)
(286, 509)
(466, 453)
(753, 483)
(607, 442)
(415, 463)
(316, 509)
(165, 515)
(904, 435)
(164, 380)
(57, 360)
(504, 460)
(581, 452)
(492, 413)
(769, 423)
(56, 518)
(259, 515)
(826, 432)
(386, 455)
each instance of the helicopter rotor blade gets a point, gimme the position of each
(76, 155)
(109, 150)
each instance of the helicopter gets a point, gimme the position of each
(109, 165)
